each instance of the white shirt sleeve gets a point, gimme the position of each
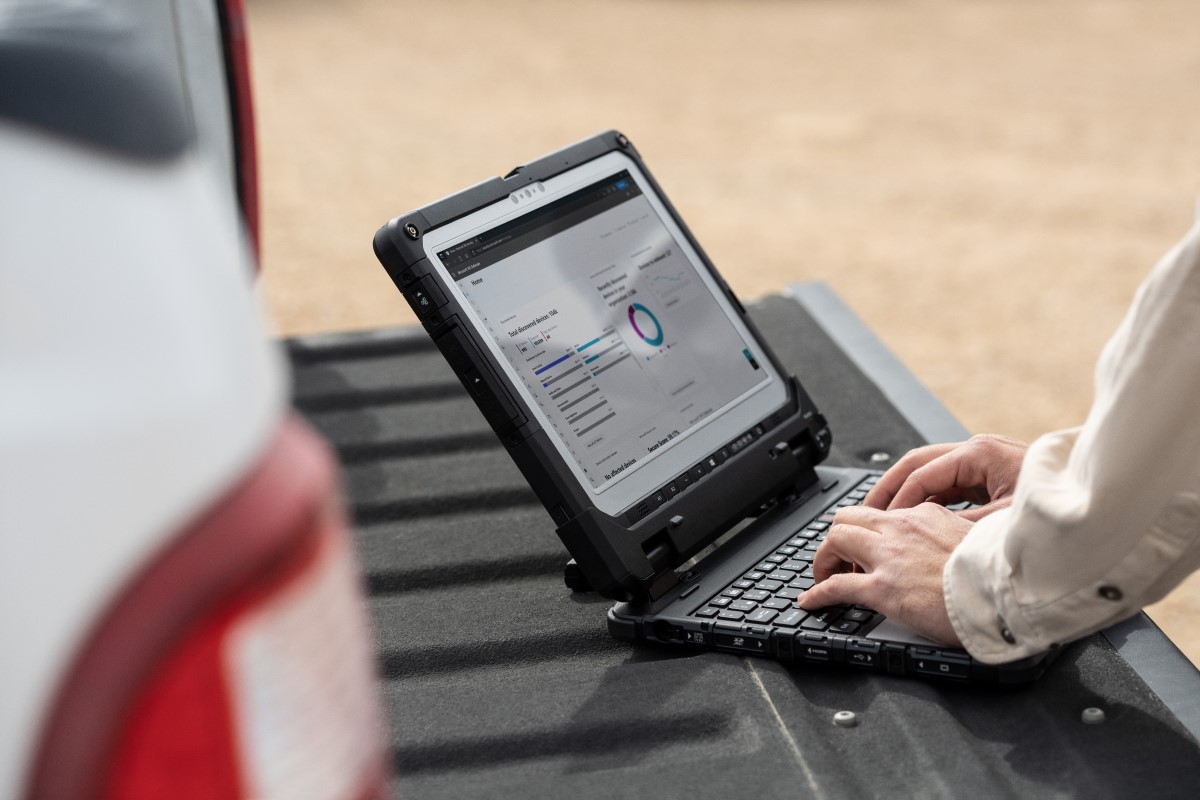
(1106, 517)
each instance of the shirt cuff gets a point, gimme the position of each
(977, 584)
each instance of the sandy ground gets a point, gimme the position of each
(984, 182)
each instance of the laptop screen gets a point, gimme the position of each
(604, 318)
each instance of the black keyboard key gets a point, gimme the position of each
(794, 566)
(812, 624)
(707, 612)
(857, 615)
(777, 603)
(743, 605)
(732, 592)
(776, 559)
(827, 615)
(762, 616)
(755, 576)
(781, 575)
(766, 566)
(775, 585)
(790, 618)
(801, 583)
(743, 584)
(786, 551)
(757, 595)
(843, 626)
(720, 602)
(806, 572)
(804, 556)
(733, 615)
(804, 537)
(811, 547)
(788, 593)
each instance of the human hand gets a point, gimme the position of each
(982, 470)
(891, 561)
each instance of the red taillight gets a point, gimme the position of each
(237, 664)
(237, 61)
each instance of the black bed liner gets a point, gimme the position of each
(500, 682)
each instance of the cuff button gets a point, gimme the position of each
(1007, 636)
(1111, 593)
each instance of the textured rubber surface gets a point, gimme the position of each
(502, 683)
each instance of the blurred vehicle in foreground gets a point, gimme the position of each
(182, 613)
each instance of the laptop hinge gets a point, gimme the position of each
(664, 583)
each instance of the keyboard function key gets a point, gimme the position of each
(790, 618)
(743, 606)
(762, 616)
(757, 595)
(730, 615)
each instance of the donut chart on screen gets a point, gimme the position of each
(657, 338)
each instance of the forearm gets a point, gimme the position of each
(1106, 517)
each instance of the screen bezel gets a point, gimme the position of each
(694, 445)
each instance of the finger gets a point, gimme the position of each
(976, 514)
(959, 469)
(846, 587)
(845, 544)
(962, 494)
(860, 516)
(885, 489)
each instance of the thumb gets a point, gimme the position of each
(976, 514)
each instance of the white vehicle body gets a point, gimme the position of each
(138, 387)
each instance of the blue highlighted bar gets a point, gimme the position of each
(553, 363)
(583, 347)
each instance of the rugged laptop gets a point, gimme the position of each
(646, 411)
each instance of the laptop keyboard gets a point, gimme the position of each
(766, 594)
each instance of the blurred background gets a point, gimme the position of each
(984, 182)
